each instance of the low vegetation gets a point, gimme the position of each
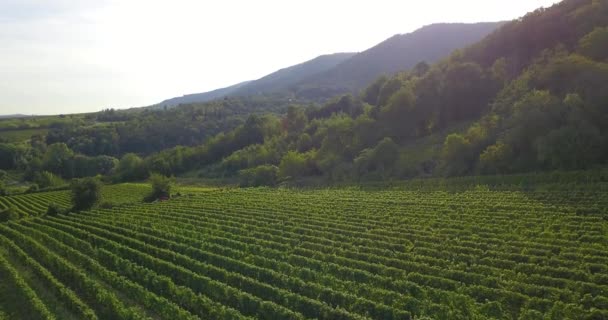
(324, 254)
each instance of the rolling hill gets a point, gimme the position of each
(276, 81)
(398, 53)
(201, 97)
(328, 75)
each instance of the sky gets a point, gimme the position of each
(71, 56)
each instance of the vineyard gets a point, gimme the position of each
(34, 204)
(312, 254)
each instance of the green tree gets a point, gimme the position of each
(86, 193)
(56, 159)
(293, 164)
(264, 175)
(295, 120)
(456, 155)
(3, 190)
(372, 92)
(388, 89)
(595, 44)
(570, 147)
(496, 159)
(9, 214)
(385, 154)
(47, 179)
(130, 168)
(304, 142)
(161, 186)
(381, 158)
(397, 116)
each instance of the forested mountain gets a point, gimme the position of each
(281, 80)
(398, 53)
(201, 97)
(285, 79)
(531, 96)
(332, 74)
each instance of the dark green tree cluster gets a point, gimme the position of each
(530, 97)
(86, 193)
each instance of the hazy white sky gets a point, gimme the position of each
(66, 56)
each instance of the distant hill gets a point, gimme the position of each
(328, 75)
(201, 97)
(277, 81)
(398, 53)
(11, 116)
(286, 78)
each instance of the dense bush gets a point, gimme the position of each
(9, 214)
(54, 209)
(86, 193)
(265, 175)
(161, 186)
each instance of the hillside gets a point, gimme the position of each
(531, 96)
(398, 53)
(277, 81)
(285, 78)
(474, 187)
(328, 75)
(201, 97)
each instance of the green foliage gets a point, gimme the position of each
(294, 250)
(295, 164)
(570, 147)
(372, 92)
(46, 179)
(3, 190)
(54, 209)
(161, 186)
(264, 175)
(8, 214)
(533, 95)
(381, 158)
(495, 159)
(595, 44)
(456, 155)
(86, 193)
(32, 188)
(131, 168)
(12, 156)
(56, 158)
(295, 120)
(388, 89)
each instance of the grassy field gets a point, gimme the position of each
(264, 253)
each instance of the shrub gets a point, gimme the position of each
(107, 205)
(46, 179)
(9, 214)
(32, 188)
(265, 175)
(3, 190)
(54, 209)
(161, 186)
(86, 193)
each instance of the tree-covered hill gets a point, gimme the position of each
(200, 97)
(529, 97)
(398, 53)
(279, 81)
(339, 73)
(285, 79)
